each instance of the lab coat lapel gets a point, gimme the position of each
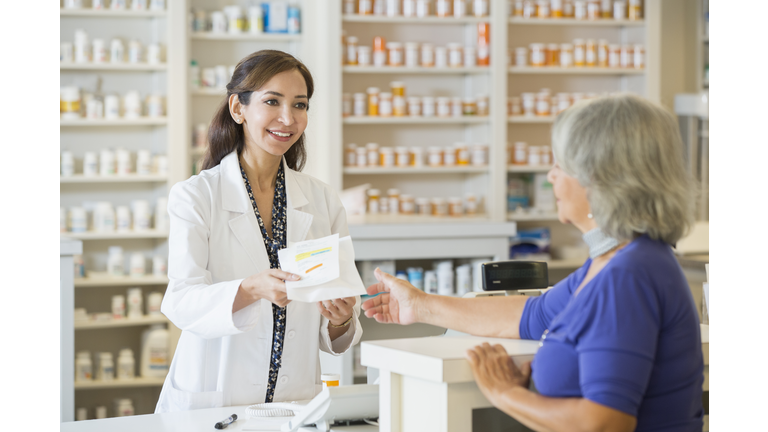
(298, 221)
(244, 225)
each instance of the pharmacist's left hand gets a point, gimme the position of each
(495, 372)
(338, 311)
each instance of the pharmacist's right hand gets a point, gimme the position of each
(398, 302)
(268, 285)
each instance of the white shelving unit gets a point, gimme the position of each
(128, 178)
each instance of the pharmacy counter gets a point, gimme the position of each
(460, 238)
(188, 421)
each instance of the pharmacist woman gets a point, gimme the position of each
(620, 344)
(242, 341)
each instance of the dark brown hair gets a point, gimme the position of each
(224, 135)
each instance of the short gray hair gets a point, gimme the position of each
(628, 153)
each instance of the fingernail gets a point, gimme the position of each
(295, 277)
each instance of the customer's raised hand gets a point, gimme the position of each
(399, 301)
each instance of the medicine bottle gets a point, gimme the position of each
(392, 8)
(556, 9)
(412, 54)
(470, 58)
(159, 265)
(351, 50)
(139, 5)
(546, 155)
(542, 104)
(387, 157)
(118, 307)
(154, 302)
(398, 98)
(135, 303)
(620, 10)
(482, 105)
(365, 7)
(614, 55)
(427, 55)
(330, 380)
(414, 106)
(538, 57)
(639, 59)
(602, 53)
(423, 8)
(441, 57)
(455, 206)
(627, 56)
(550, 54)
(409, 8)
(372, 150)
(521, 56)
(99, 51)
(423, 206)
(143, 162)
(141, 215)
(83, 367)
(635, 11)
(534, 156)
(520, 153)
(364, 56)
(407, 204)
(469, 106)
(542, 9)
(417, 157)
(349, 155)
(529, 9)
(135, 51)
(373, 201)
(393, 196)
(67, 163)
(563, 102)
(529, 103)
(568, 11)
(443, 8)
(346, 106)
(449, 157)
(479, 155)
(443, 107)
(101, 412)
(359, 104)
(590, 54)
(435, 156)
(462, 153)
(361, 157)
(395, 54)
(459, 8)
(580, 9)
(385, 104)
(78, 219)
(106, 367)
(428, 106)
(379, 52)
(138, 267)
(439, 207)
(480, 8)
(132, 104)
(593, 9)
(402, 156)
(566, 55)
(454, 55)
(457, 107)
(373, 101)
(483, 44)
(606, 8)
(579, 52)
(104, 217)
(126, 365)
(123, 408)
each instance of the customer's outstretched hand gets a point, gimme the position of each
(398, 302)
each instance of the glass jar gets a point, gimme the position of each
(443, 107)
(590, 54)
(373, 101)
(627, 56)
(407, 204)
(395, 54)
(579, 52)
(414, 106)
(566, 55)
(614, 55)
(387, 157)
(435, 157)
(454, 55)
(520, 153)
(538, 55)
(372, 150)
(385, 104)
(427, 55)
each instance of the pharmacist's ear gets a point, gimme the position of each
(235, 108)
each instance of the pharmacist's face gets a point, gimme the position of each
(276, 115)
(571, 196)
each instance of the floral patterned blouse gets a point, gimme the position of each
(273, 244)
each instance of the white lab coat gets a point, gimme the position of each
(222, 358)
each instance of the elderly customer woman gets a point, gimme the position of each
(620, 341)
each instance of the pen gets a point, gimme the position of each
(226, 422)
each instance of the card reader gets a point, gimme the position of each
(514, 275)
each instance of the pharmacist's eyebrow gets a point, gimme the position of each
(280, 95)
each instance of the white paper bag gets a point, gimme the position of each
(347, 284)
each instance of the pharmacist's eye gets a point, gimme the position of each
(302, 105)
(271, 102)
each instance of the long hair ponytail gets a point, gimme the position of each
(251, 73)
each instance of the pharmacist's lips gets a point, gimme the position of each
(281, 134)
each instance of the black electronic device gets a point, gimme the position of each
(514, 275)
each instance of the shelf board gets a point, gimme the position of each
(528, 217)
(557, 70)
(136, 382)
(390, 219)
(99, 279)
(266, 37)
(108, 13)
(412, 20)
(125, 322)
(141, 121)
(115, 67)
(462, 169)
(528, 168)
(531, 119)
(373, 120)
(129, 178)
(416, 70)
(605, 22)
(116, 235)
(205, 91)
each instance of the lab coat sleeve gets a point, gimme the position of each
(192, 301)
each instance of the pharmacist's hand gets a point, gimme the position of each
(268, 285)
(495, 372)
(398, 302)
(338, 311)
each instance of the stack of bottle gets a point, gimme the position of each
(543, 103)
(118, 5)
(85, 50)
(373, 155)
(589, 53)
(404, 204)
(417, 8)
(394, 103)
(116, 162)
(106, 218)
(74, 106)
(413, 54)
(269, 17)
(579, 9)
(522, 154)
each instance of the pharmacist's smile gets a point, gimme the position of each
(282, 136)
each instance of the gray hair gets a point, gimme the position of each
(628, 154)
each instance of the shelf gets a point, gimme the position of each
(390, 219)
(129, 178)
(266, 37)
(380, 19)
(125, 322)
(464, 169)
(556, 70)
(116, 235)
(204, 91)
(370, 120)
(574, 22)
(531, 217)
(416, 70)
(141, 121)
(531, 119)
(136, 382)
(108, 13)
(528, 168)
(115, 67)
(95, 279)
